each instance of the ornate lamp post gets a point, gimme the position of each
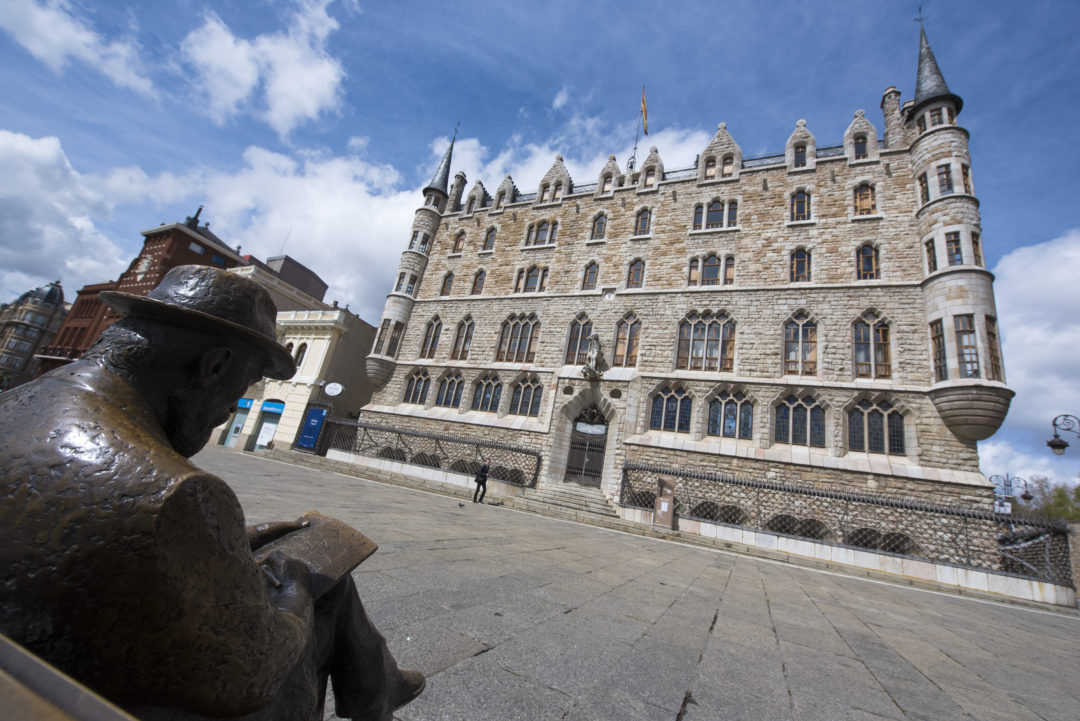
(1004, 492)
(1064, 422)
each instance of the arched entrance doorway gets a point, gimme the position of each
(588, 438)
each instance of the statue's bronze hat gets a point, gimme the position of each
(211, 300)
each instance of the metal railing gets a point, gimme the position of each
(506, 463)
(957, 535)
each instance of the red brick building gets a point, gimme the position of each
(165, 247)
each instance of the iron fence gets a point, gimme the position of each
(971, 537)
(506, 463)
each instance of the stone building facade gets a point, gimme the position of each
(819, 317)
(28, 323)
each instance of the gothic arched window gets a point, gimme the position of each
(876, 427)
(487, 393)
(462, 340)
(800, 422)
(671, 409)
(431, 338)
(450, 389)
(577, 347)
(731, 416)
(526, 398)
(517, 342)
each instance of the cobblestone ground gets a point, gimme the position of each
(515, 616)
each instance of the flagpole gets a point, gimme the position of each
(637, 133)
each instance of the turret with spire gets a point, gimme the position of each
(414, 259)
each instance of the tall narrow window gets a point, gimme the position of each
(671, 410)
(952, 248)
(400, 285)
(417, 388)
(866, 263)
(530, 235)
(599, 227)
(800, 156)
(472, 204)
(728, 167)
(870, 338)
(714, 218)
(542, 233)
(462, 340)
(731, 416)
(699, 213)
(487, 393)
(710, 270)
(588, 281)
(635, 276)
(412, 241)
(800, 346)
(800, 421)
(577, 347)
(526, 398)
(517, 342)
(410, 289)
(544, 193)
(695, 272)
(732, 213)
(489, 239)
(876, 427)
(554, 232)
(380, 339)
(965, 173)
(532, 279)
(944, 179)
(450, 389)
(478, 282)
(608, 180)
(431, 338)
(395, 339)
(931, 256)
(924, 189)
(300, 353)
(557, 193)
(937, 345)
(921, 124)
(706, 342)
(994, 366)
(641, 223)
(967, 352)
(976, 249)
(710, 168)
(865, 204)
(424, 243)
(800, 266)
(627, 335)
(729, 270)
(650, 177)
(447, 284)
(860, 147)
(499, 199)
(459, 242)
(519, 280)
(800, 206)
(950, 114)
(936, 117)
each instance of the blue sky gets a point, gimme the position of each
(312, 124)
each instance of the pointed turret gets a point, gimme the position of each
(930, 83)
(441, 178)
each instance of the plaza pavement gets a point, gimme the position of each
(516, 616)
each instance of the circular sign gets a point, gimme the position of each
(333, 389)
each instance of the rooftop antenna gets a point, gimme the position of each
(282, 251)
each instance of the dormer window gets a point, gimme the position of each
(544, 193)
(710, 168)
(608, 182)
(499, 200)
(650, 177)
(800, 156)
(557, 194)
(472, 204)
(728, 166)
(860, 147)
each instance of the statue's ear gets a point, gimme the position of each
(214, 365)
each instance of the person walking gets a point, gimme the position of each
(481, 483)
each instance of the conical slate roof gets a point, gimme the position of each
(441, 178)
(930, 83)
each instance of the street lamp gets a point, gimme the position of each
(1005, 485)
(1063, 422)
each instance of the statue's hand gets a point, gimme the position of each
(264, 533)
(289, 584)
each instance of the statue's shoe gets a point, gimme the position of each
(410, 684)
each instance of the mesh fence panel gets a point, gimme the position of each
(506, 463)
(952, 534)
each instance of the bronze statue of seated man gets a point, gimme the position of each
(129, 568)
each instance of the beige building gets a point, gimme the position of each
(822, 317)
(328, 344)
(27, 324)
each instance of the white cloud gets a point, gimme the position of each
(54, 35)
(297, 78)
(560, 98)
(47, 215)
(1035, 286)
(998, 457)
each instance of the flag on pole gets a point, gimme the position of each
(644, 113)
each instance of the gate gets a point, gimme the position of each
(588, 438)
